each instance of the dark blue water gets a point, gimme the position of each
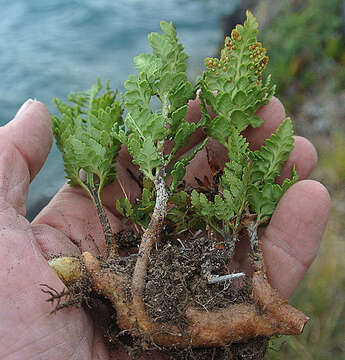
(52, 47)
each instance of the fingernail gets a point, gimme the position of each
(24, 107)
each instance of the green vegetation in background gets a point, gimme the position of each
(306, 48)
(332, 160)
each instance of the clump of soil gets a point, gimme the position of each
(177, 278)
(253, 349)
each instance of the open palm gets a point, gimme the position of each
(69, 225)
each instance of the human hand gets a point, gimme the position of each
(69, 225)
(26, 329)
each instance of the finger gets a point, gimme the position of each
(303, 156)
(272, 114)
(127, 183)
(61, 246)
(291, 240)
(31, 133)
(193, 116)
(72, 213)
(24, 145)
(199, 167)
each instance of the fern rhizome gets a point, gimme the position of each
(170, 275)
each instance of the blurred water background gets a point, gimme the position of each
(50, 48)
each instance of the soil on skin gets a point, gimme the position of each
(177, 278)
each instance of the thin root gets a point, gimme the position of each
(57, 296)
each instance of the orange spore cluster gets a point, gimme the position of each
(258, 59)
(216, 65)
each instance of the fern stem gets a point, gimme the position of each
(103, 218)
(258, 259)
(230, 243)
(149, 237)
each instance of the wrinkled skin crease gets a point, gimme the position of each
(68, 226)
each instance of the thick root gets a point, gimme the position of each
(270, 314)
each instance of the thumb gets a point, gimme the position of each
(24, 145)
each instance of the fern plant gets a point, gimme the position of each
(84, 136)
(233, 88)
(244, 193)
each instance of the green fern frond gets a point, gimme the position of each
(232, 86)
(83, 133)
(89, 134)
(269, 160)
(161, 75)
